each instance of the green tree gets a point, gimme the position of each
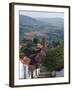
(54, 59)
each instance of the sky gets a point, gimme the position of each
(42, 14)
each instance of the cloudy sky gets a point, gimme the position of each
(42, 14)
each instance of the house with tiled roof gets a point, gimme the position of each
(31, 62)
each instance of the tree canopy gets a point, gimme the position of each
(54, 59)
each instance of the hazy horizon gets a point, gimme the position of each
(42, 14)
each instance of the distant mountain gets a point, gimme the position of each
(26, 20)
(53, 21)
(51, 28)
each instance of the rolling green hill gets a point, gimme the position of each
(51, 28)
